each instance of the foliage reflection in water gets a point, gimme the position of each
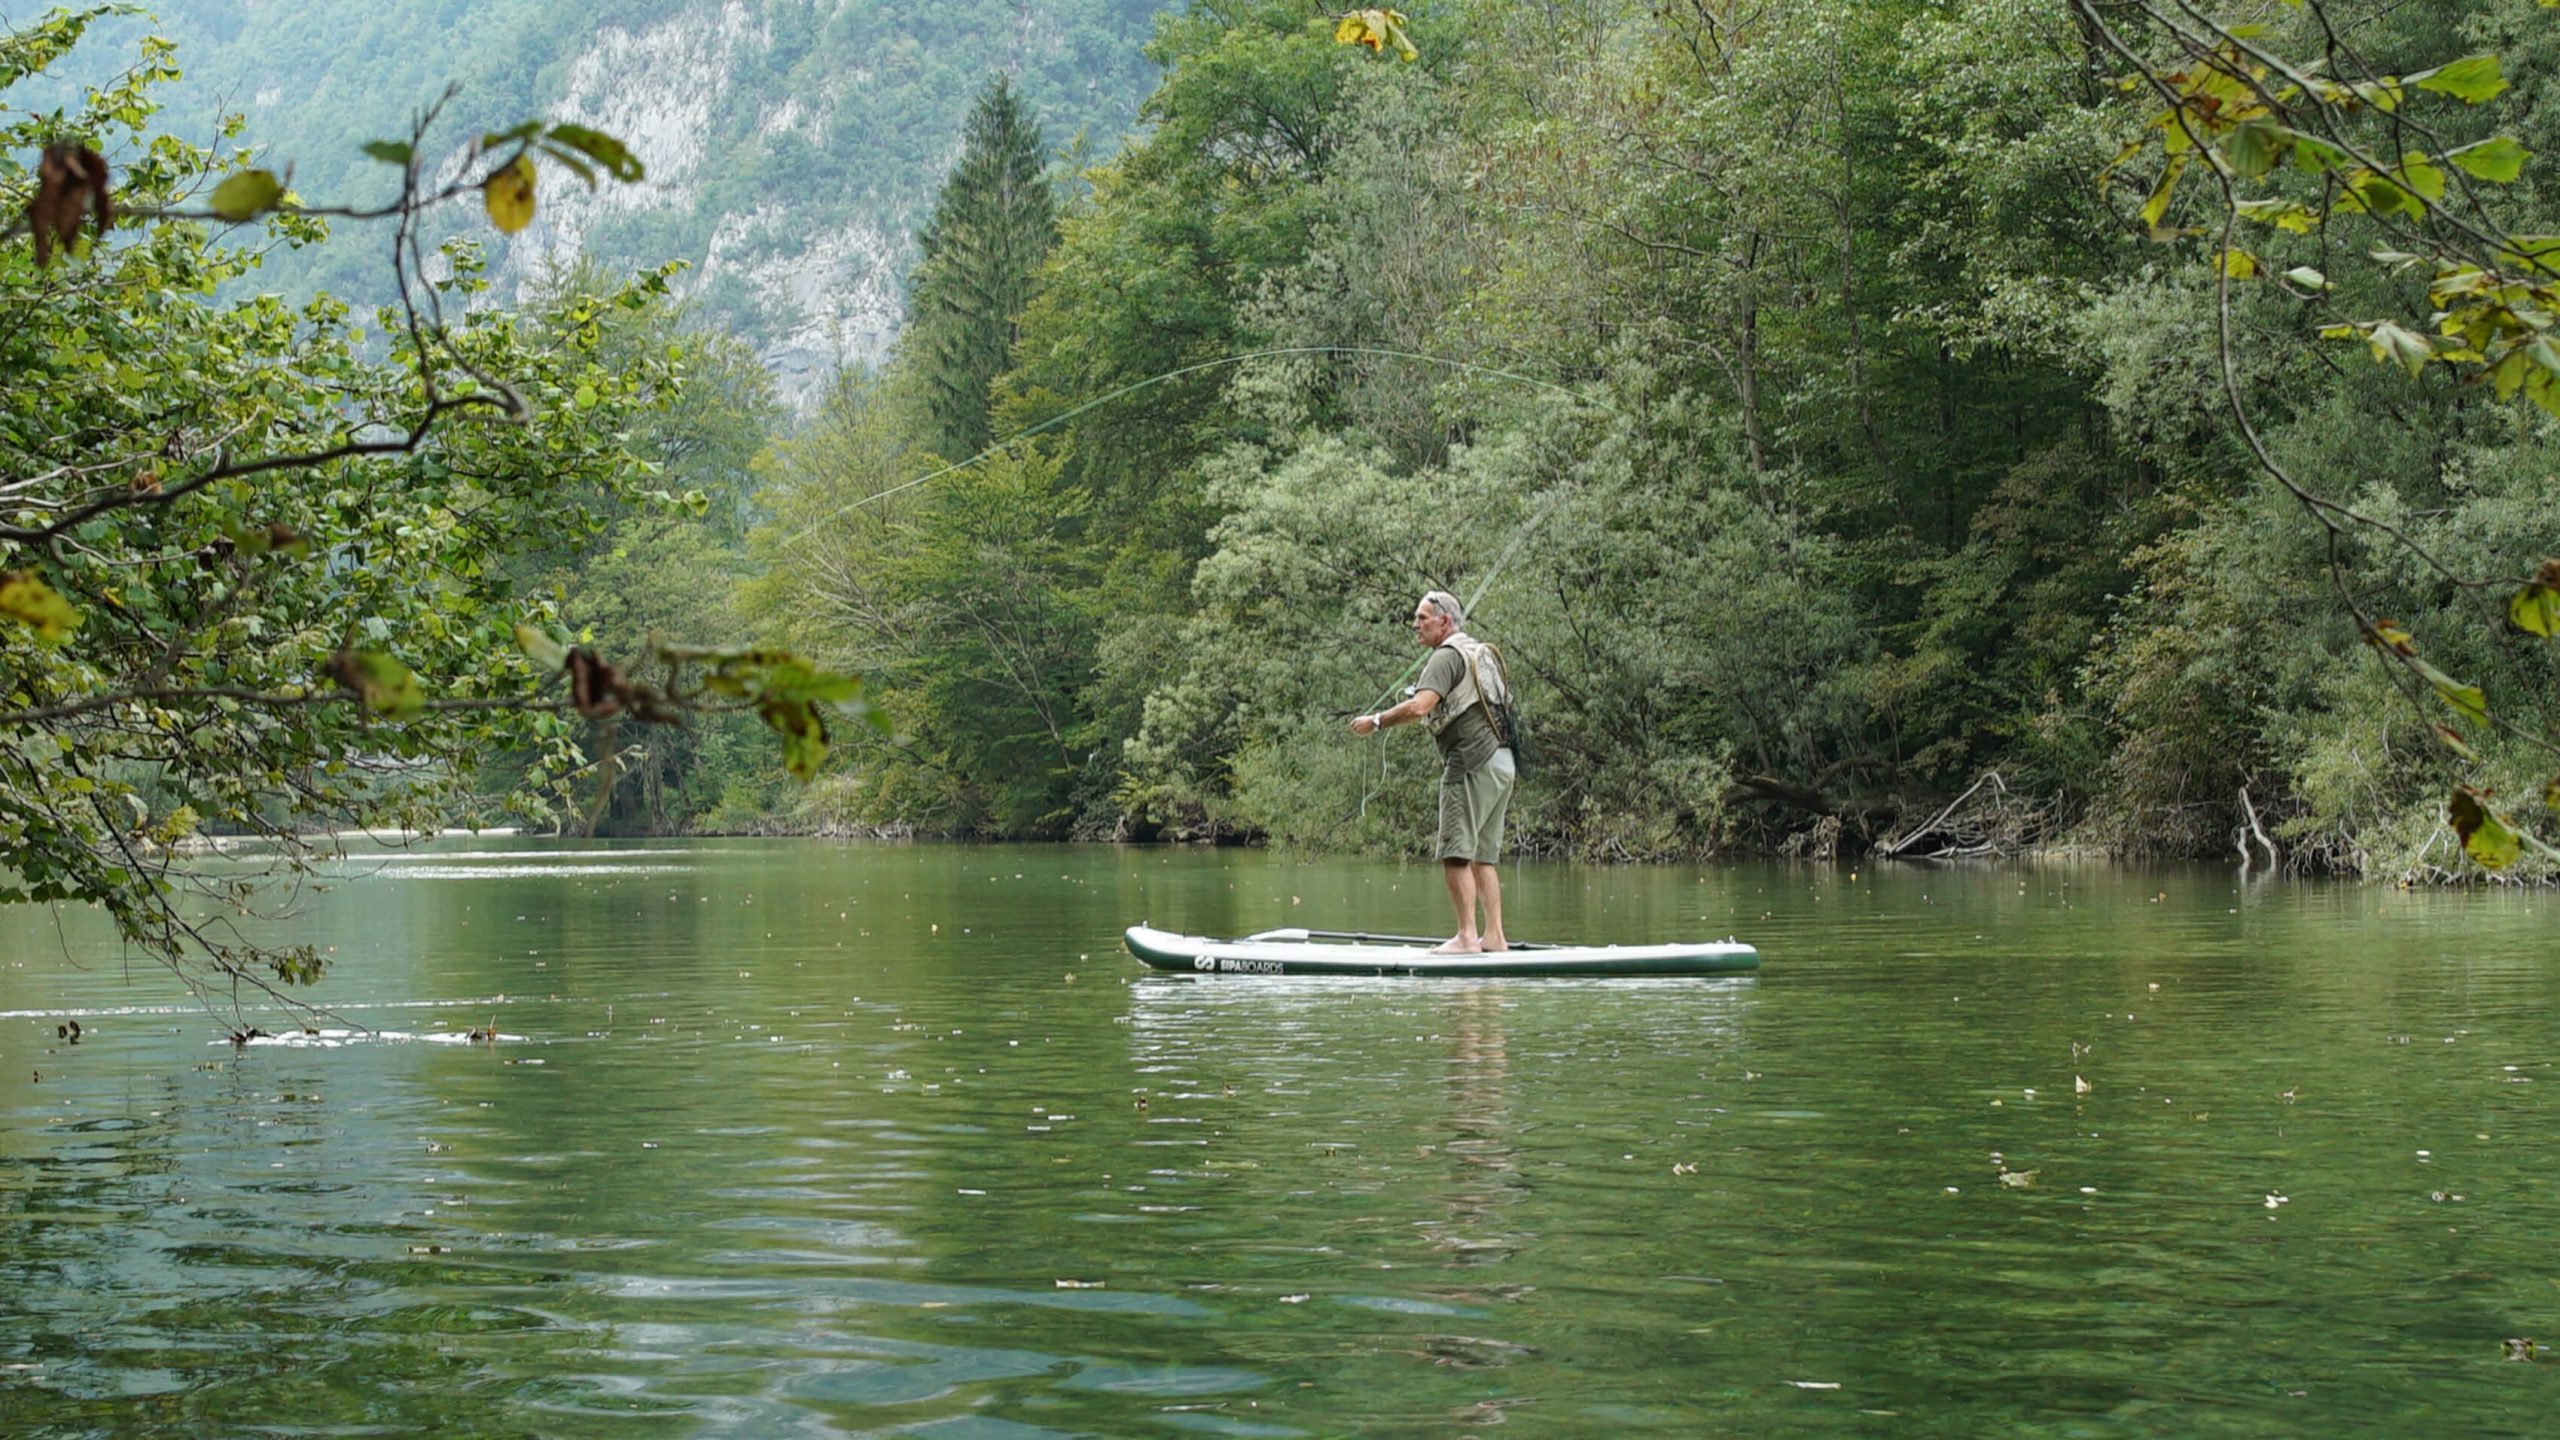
(818, 1139)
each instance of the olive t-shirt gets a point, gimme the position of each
(1467, 741)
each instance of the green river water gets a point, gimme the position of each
(802, 1139)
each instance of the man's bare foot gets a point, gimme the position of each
(1494, 945)
(1457, 945)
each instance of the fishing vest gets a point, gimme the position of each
(1476, 685)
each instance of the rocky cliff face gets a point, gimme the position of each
(825, 297)
(793, 146)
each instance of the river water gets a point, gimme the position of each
(802, 1139)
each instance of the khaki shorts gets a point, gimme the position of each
(1472, 808)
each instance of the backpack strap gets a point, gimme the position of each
(1484, 697)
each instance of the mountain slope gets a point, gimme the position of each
(792, 145)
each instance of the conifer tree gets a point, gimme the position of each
(993, 224)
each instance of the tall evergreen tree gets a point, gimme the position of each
(993, 224)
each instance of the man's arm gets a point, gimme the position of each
(1422, 704)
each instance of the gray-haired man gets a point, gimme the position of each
(1477, 768)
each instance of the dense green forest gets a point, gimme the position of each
(1823, 425)
(1920, 428)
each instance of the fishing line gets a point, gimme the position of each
(1468, 607)
(1133, 388)
(1279, 352)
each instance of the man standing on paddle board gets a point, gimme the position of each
(1477, 766)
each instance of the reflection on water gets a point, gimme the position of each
(798, 1139)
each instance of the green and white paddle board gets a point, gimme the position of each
(1325, 952)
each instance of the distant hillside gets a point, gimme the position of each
(792, 145)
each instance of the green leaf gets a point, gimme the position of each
(2486, 837)
(2307, 278)
(2313, 155)
(390, 152)
(2283, 214)
(38, 606)
(540, 647)
(610, 154)
(2497, 159)
(2535, 609)
(2453, 741)
(247, 195)
(2542, 376)
(2392, 343)
(804, 735)
(387, 687)
(572, 164)
(2369, 194)
(798, 680)
(2470, 80)
(2466, 700)
(2420, 177)
(2253, 147)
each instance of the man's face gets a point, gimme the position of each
(1430, 626)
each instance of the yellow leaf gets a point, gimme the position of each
(2157, 207)
(2486, 836)
(1376, 29)
(509, 196)
(2238, 265)
(38, 606)
(2535, 609)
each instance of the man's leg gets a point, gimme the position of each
(1490, 805)
(1489, 890)
(1461, 875)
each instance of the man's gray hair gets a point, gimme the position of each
(1446, 605)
